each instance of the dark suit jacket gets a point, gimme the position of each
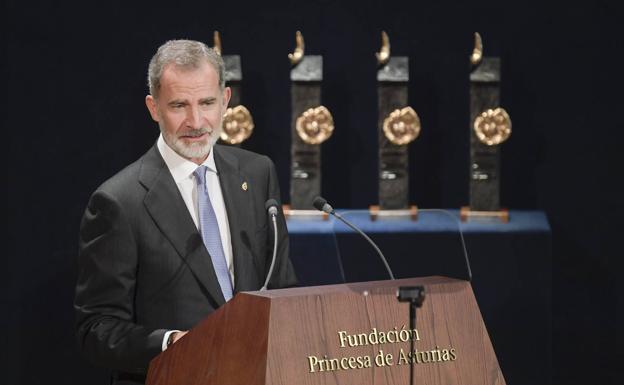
(143, 268)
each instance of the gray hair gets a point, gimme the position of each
(187, 54)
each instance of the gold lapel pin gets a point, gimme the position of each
(244, 186)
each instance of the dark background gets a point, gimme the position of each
(75, 115)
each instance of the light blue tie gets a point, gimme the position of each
(209, 228)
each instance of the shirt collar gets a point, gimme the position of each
(181, 168)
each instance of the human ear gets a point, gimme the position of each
(227, 94)
(152, 107)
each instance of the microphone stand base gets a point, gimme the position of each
(377, 213)
(307, 214)
(415, 295)
(466, 214)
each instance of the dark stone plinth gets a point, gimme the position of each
(309, 69)
(484, 160)
(305, 92)
(233, 69)
(233, 77)
(396, 70)
(393, 159)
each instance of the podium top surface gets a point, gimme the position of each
(372, 287)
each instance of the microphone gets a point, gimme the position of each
(321, 204)
(271, 206)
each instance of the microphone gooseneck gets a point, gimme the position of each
(321, 204)
(271, 207)
(461, 238)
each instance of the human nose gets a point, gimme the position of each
(193, 118)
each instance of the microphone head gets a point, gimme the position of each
(321, 204)
(270, 203)
(271, 206)
(318, 203)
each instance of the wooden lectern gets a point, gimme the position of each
(337, 334)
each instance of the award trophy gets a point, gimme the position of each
(312, 124)
(237, 121)
(490, 126)
(398, 125)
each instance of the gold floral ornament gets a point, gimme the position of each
(493, 126)
(237, 125)
(315, 125)
(402, 126)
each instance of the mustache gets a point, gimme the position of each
(195, 132)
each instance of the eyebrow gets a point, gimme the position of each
(174, 102)
(177, 102)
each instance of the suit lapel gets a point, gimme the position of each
(236, 189)
(166, 206)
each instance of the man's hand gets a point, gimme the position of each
(177, 335)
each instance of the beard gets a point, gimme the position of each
(196, 150)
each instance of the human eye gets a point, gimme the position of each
(177, 105)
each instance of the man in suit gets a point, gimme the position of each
(173, 236)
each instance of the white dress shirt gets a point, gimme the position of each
(182, 171)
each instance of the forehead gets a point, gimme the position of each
(176, 79)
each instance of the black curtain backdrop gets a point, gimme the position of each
(75, 115)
